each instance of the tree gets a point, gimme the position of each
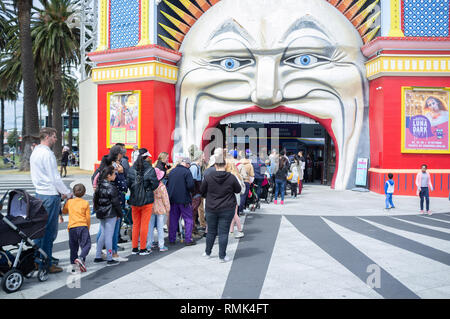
(71, 101)
(13, 138)
(30, 109)
(56, 49)
(10, 94)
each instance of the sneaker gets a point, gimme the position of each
(144, 252)
(275, 201)
(55, 261)
(121, 241)
(80, 264)
(135, 251)
(112, 262)
(422, 212)
(54, 269)
(206, 255)
(99, 260)
(429, 213)
(225, 259)
(392, 207)
(282, 202)
(118, 258)
(164, 249)
(155, 245)
(239, 235)
(191, 243)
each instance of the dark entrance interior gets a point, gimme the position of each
(311, 138)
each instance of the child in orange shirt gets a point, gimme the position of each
(79, 224)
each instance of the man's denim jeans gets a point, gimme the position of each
(52, 204)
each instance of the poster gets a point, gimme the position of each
(123, 118)
(425, 120)
(361, 171)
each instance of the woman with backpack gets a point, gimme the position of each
(281, 178)
(107, 209)
(142, 181)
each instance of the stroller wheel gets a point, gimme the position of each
(42, 274)
(12, 281)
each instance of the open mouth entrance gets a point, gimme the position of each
(295, 133)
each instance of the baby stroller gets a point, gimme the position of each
(266, 193)
(26, 219)
(252, 200)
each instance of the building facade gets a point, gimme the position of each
(374, 74)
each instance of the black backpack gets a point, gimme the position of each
(138, 194)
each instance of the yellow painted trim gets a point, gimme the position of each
(408, 171)
(103, 32)
(423, 65)
(108, 124)
(145, 40)
(403, 128)
(396, 30)
(146, 70)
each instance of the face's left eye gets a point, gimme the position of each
(231, 64)
(304, 61)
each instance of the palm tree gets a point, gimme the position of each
(9, 94)
(30, 114)
(56, 47)
(70, 88)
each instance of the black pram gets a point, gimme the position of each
(26, 219)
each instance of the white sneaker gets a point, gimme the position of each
(121, 259)
(206, 255)
(225, 260)
(239, 234)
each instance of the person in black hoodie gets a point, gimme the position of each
(107, 208)
(180, 184)
(219, 188)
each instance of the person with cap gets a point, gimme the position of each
(134, 154)
(161, 207)
(180, 184)
(219, 188)
(142, 182)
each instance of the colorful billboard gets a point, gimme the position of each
(425, 120)
(123, 118)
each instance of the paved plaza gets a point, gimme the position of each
(324, 244)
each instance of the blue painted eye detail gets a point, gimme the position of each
(304, 61)
(232, 64)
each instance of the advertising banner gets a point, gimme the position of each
(362, 167)
(123, 117)
(425, 120)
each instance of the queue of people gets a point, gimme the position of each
(208, 198)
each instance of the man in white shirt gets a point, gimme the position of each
(49, 188)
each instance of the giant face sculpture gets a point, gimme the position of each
(300, 57)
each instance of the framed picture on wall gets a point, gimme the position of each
(425, 120)
(123, 118)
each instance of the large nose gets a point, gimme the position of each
(267, 92)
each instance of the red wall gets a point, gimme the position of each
(157, 115)
(385, 138)
(385, 124)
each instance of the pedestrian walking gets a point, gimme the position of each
(389, 187)
(219, 189)
(79, 225)
(281, 178)
(143, 182)
(424, 186)
(64, 161)
(258, 169)
(294, 176)
(161, 207)
(180, 184)
(107, 209)
(197, 175)
(301, 172)
(246, 170)
(49, 188)
(231, 168)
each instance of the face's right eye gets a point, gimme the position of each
(231, 64)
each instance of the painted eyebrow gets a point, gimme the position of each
(304, 23)
(231, 26)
